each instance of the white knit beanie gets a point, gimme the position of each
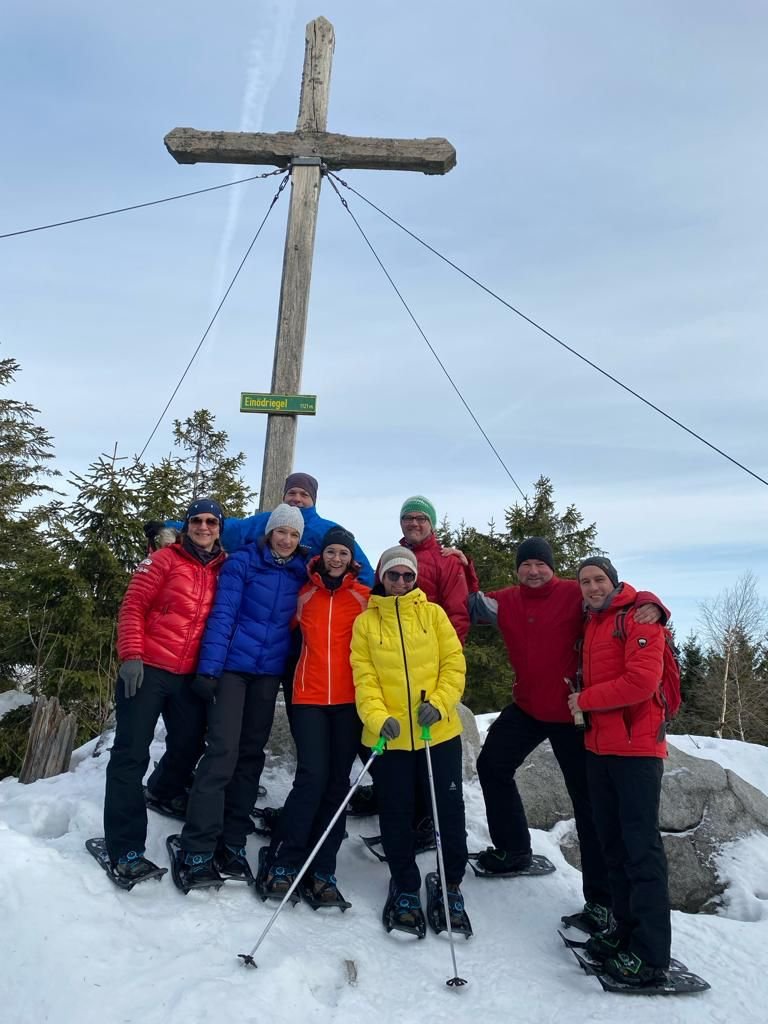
(286, 515)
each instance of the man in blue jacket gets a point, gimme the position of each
(300, 491)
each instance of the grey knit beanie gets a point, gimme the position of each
(398, 555)
(602, 563)
(286, 515)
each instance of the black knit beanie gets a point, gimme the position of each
(603, 563)
(536, 548)
(338, 535)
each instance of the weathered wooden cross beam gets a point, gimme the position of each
(307, 151)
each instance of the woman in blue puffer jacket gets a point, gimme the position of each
(242, 659)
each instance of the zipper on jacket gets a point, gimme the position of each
(407, 677)
(328, 644)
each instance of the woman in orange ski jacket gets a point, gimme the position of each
(325, 724)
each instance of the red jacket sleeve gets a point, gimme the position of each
(643, 666)
(473, 581)
(146, 583)
(453, 595)
(648, 597)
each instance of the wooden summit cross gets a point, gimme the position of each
(306, 152)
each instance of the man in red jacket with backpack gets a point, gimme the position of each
(623, 669)
(541, 622)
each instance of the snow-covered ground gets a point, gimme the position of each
(12, 699)
(76, 950)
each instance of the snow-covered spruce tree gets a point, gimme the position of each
(489, 676)
(538, 517)
(210, 470)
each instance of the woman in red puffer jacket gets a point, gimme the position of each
(160, 626)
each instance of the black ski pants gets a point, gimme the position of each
(398, 775)
(625, 800)
(327, 738)
(161, 693)
(227, 779)
(510, 740)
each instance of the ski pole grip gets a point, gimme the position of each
(426, 735)
(380, 746)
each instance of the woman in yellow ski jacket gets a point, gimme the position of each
(409, 672)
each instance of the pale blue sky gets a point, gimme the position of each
(610, 183)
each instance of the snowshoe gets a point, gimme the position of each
(669, 983)
(232, 863)
(460, 924)
(191, 871)
(321, 890)
(402, 912)
(265, 819)
(129, 871)
(363, 802)
(273, 881)
(493, 863)
(176, 808)
(593, 918)
(373, 843)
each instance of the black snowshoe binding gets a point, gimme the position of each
(192, 870)
(265, 819)
(424, 835)
(592, 919)
(175, 808)
(402, 913)
(492, 863)
(460, 924)
(129, 870)
(232, 863)
(363, 802)
(320, 890)
(273, 881)
(591, 958)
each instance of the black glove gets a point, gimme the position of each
(428, 714)
(132, 674)
(391, 729)
(205, 688)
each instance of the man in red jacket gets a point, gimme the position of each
(444, 577)
(159, 630)
(541, 621)
(625, 762)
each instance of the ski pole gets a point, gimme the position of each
(455, 981)
(247, 958)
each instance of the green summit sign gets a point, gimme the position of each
(287, 405)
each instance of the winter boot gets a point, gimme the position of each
(199, 870)
(603, 945)
(277, 881)
(231, 862)
(176, 807)
(460, 924)
(630, 969)
(320, 890)
(503, 862)
(363, 802)
(403, 913)
(134, 867)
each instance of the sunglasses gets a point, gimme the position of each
(207, 521)
(393, 576)
(419, 520)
